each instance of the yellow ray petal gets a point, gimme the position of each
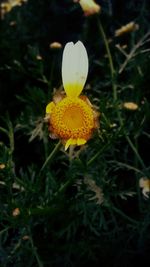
(50, 107)
(69, 142)
(74, 68)
(81, 141)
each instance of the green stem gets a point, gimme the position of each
(114, 87)
(9, 132)
(97, 154)
(130, 143)
(136, 152)
(52, 209)
(4, 230)
(124, 215)
(40, 264)
(4, 131)
(71, 150)
(45, 141)
(50, 87)
(64, 186)
(50, 157)
(11, 136)
(112, 70)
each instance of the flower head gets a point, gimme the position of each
(55, 45)
(71, 116)
(130, 27)
(144, 183)
(2, 166)
(130, 105)
(7, 6)
(16, 212)
(89, 7)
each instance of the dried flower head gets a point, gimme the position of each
(7, 6)
(130, 27)
(38, 57)
(72, 117)
(144, 183)
(2, 166)
(16, 212)
(26, 237)
(98, 192)
(13, 23)
(130, 105)
(55, 45)
(89, 7)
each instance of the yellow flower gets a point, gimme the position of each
(89, 7)
(144, 183)
(130, 27)
(71, 117)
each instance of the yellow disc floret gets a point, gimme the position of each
(72, 118)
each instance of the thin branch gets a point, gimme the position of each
(140, 43)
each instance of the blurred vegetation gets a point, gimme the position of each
(86, 206)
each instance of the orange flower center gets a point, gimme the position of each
(72, 118)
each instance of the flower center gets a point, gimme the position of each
(72, 118)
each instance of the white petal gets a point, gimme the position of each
(74, 68)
